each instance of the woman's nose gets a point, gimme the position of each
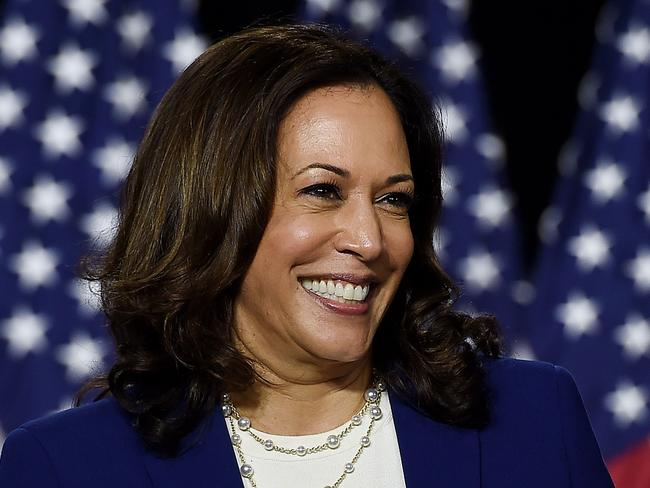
(360, 231)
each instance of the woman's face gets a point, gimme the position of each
(339, 225)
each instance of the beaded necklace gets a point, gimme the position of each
(371, 407)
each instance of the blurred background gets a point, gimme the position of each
(546, 221)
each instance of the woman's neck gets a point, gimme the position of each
(304, 400)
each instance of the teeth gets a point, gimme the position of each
(358, 293)
(348, 292)
(337, 291)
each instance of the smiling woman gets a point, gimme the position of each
(279, 313)
(342, 222)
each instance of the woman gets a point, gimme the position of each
(279, 314)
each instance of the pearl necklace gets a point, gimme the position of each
(372, 398)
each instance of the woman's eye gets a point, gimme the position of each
(323, 190)
(400, 200)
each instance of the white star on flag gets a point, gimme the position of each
(455, 60)
(5, 172)
(480, 270)
(605, 181)
(590, 248)
(127, 95)
(454, 122)
(35, 266)
(24, 332)
(579, 316)
(638, 269)
(644, 204)
(588, 90)
(523, 292)
(81, 357)
(322, 5)
(47, 200)
(522, 349)
(491, 207)
(635, 45)
(17, 41)
(87, 295)
(184, 49)
(621, 114)
(72, 68)
(114, 160)
(84, 12)
(59, 134)
(549, 223)
(100, 225)
(460, 7)
(628, 403)
(407, 34)
(634, 336)
(365, 14)
(12, 104)
(135, 29)
(492, 148)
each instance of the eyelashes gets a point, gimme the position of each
(329, 190)
(400, 199)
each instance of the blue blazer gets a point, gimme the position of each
(539, 437)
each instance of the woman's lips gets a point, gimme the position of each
(342, 308)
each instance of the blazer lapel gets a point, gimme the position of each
(210, 463)
(433, 453)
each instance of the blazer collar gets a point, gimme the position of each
(433, 453)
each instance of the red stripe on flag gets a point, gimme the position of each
(632, 468)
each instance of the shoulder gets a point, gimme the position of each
(94, 438)
(529, 395)
(531, 389)
(538, 418)
(87, 420)
(508, 376)
(523, 392)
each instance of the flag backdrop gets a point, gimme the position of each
(78, 81)
(592, 309)
(478, 239)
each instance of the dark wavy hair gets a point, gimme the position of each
(193, 210)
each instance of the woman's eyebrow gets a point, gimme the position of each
(329, 167)
(398, 178)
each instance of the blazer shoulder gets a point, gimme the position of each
(538, 418)
(74, 445)
(90, 419)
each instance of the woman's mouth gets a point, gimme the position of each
(338, 295)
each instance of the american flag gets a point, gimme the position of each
(592, 309)
(586, 306)
(78, 82)
(478, 239)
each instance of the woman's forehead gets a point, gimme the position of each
(344, 126)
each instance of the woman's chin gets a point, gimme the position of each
(340, 349)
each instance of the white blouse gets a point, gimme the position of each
(379, 466)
